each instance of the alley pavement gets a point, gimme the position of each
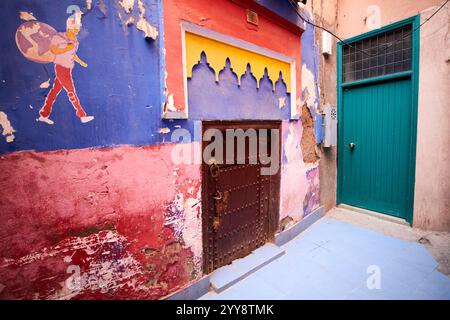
(333, 259)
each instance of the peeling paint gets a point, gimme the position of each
(127, 5)
(281, 102)
(45, 84)
(293, 174)
(308, 141)
(309, 88)
(26, 16)
(8, 130)
(164, 130)
(192, 235)
(183, 215)
(102, 8)
(129, 21)
(144, 25)
(147, 28)
(169, 106)
(88, 4)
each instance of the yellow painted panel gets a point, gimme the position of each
(217, 52)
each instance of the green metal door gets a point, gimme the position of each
(377, 110)
(377, 122)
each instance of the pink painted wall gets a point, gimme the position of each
(299, 190)
(117, 214)
(356, 17)
(432, 194)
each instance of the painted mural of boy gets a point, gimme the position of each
(64, 46)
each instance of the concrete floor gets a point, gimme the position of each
(339, 255)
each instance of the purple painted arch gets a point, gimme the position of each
(229, 100)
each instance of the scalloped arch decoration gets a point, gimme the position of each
(217, 53)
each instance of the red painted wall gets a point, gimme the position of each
(225, 17)
(105, 211)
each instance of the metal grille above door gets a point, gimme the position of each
(383, 54)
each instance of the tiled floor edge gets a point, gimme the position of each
(192, 292)
(249, 272)
(289, 234)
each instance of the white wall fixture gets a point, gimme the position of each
(330, 124)
(327, 43)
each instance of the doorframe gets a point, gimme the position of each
(414, 74)
(274, 180)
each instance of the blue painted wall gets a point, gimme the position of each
(227, 100)
(310, 56)
(122, 86)
(310, 52)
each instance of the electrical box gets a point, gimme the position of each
(330, 124)
(327, 43)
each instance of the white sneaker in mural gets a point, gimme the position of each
(86, 119)
(45, 119)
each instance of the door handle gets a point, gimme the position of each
(214, 169)
(352, 146)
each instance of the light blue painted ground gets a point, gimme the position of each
(330, 261)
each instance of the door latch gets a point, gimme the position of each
(351, 145)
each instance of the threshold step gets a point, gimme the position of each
(228, 275)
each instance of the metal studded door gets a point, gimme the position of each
(240, 205)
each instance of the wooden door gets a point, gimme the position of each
(240, 205)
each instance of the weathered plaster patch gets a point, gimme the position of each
(286, 223)
(308, 141)
(164, 130)
(281, 102)
(183, 215)
(144, 25)
(192, 235)
(127, 5)
(102, 8)
(45, 84)
(311, 200)
(373, 18)
(88, 4)
(147, 28)
(140, 21)
(26, 16)
(169, 105)
(293, 174)
(8, 130)
(129, 21)
(309, 87)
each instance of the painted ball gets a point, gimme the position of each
(33, 38)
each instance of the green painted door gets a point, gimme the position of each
(377, 118)
(376, 137)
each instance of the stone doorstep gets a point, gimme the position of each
(239, 269)
(374, 214)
